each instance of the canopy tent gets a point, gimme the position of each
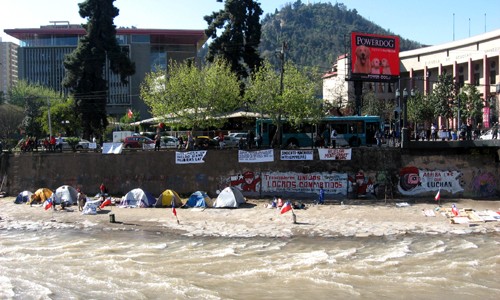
(229, 197)
(23, 197)
(167, 197)
(66, 193)
(40, 195)
(198, 199)
(138, 198)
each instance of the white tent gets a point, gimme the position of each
(229, 197)
(138, 198)
(67, 194)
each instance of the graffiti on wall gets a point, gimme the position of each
(414, 181)
(483, 184)
(249, 181)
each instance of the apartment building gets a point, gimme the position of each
(8, 67)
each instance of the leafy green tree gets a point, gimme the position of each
(192, 96)
(295, 102)
(85, 65)
(239, 41)
(420, 109)
(63, 118)
(442, 97)
(34, 99)
(11, 117)
(471, 104)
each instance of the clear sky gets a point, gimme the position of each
(429, 22)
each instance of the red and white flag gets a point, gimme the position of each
(438, 195)
(174, 211)
(130, 114)
(47, 204)
(105, 203)
(454, 210)
(286, 207)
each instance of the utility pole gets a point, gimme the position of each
(48, 113)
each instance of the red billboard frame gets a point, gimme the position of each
(374, 57)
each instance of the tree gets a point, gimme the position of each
(296, 102)
(191, 96)
(420, 109)
(35, 99)
(239, 41)
(471, 104)
(85, 65)
(442, 97)
(11, 117)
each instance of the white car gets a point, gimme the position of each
(169, 142)
(83, 144)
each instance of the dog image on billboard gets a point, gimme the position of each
(362, 63)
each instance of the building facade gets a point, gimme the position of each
(8, 67)
(474, 60)
(42, 51)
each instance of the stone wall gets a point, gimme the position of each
(368, 172)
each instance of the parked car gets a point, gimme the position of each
(229, 141)
(169, 142)
(136, 141)
(82, 144)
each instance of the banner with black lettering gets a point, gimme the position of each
(291, 182)
(335, 153)
(190, 157)
(255, 156)
(297, 154)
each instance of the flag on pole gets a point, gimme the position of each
(438, 195)
(48, 204)
(286, 207)
(454, 210)
(174, 211)
(130, 113)
(105, 203)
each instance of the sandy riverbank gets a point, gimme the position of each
(360, 218)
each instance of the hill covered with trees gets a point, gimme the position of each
(316, 34)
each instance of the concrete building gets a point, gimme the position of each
(42, 51)
(8, 67)
(474, 60)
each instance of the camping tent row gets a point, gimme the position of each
(64, 193)
(229, 197)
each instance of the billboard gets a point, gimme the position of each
(374, 57)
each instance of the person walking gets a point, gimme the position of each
(157, 141)
(333, 138)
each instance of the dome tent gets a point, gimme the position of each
(138, 198)
(198, 199)
(167, 197)
(229, 197)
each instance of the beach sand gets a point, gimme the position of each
(358, 218)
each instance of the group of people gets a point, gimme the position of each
(51, 143)
(327, 139)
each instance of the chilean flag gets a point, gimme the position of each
(438, 195)
(454, 210)
(174, 211)
(105, 203)
(130, 114)
(47, 204)
(286, 207)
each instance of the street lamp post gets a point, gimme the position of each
(398, 97)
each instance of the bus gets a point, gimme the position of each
(352, 131)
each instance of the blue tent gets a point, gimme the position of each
(23, 197)
(198, 199)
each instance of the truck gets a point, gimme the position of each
(118, 136)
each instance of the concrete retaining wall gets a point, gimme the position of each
(369, 171)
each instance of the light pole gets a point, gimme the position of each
(398, 109)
